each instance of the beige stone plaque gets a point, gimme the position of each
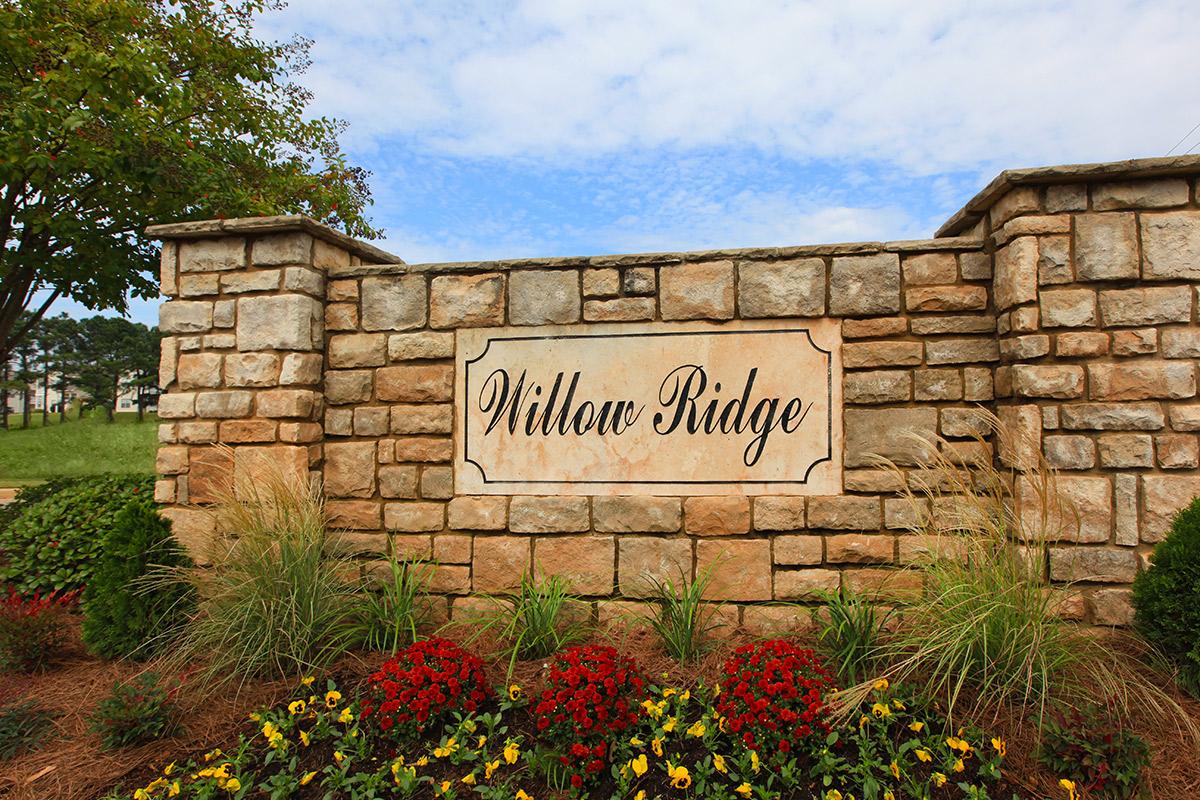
(742, 407)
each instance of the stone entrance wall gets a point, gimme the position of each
(1063, 299)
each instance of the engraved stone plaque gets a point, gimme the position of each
(741, 407)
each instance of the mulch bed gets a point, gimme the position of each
(71, 765)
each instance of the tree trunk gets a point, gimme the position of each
(46, 396)
(4, 396)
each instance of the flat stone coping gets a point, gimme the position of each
(1132, 169)
(250, 226)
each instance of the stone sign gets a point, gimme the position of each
(742, 407)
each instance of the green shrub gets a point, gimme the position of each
(850, 635)
(388, 611)
(32, 629)
(680, 618)
(122, 616)
(136, 712)
(53, 544)
(1088, 746)
(1166, 597)
(22, 727)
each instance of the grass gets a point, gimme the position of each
(682, 621)
(88, 446)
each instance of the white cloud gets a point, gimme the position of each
(922, 86)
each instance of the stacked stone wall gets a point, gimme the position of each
(1066, 304)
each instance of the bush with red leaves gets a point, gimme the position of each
(593, 692)
(419, 688)
(32, 629)
(773, 697)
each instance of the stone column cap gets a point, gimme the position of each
(290, 223)
(1131, 169)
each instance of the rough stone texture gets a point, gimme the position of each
(393, 303)
(185, 316)
(782, 288)
(1150, 306)
(864, 285)
(1142, 380)
(466, 301)
(1060, 382)
(1162, 497)
(887, 433)
(352, 350)
(299, 369)
(212, 255)
(844, 513)
(1171, 244)
(878, 386)
(741, 568)
(716, 516)
(619, 309)
(1106, 247)
(1092, 564)
(779, 514)
(251, 369)
(697, 291)
(1140, 194)
(499, 562)
(350, 469)
(488, 513)
(1016, 273)
(584, 562)
(415, 383)
(1068, 308)
(1113, 416)
(805, 584)
(417, 346)
(632, 514)
(279, 322)
(537, 297)
(413, 517)
(930, 269)
(1070, 452)
(397, 481)
(548, 514)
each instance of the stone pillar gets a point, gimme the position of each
(242, 353)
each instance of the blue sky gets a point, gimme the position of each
(558, 127)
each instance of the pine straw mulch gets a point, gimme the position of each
(70, 765)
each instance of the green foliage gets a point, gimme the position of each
(122, 617)
(536, 622)
(388, 612)
(118, 114)
(680, 618)
(1088, 746)
(1166, 597)
(136, 712)
(22, 727)
(56, 542)
(32, 629)
(851, 634)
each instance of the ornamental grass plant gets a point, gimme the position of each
(276, 600)
(389, 609)
(680, 618)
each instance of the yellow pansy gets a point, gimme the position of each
(307, 681)
(332, 698)
(169, 768)
(719, 763)
(521, 795)
(744, 790)
(880, 710)
(641, 795)
(959, 766)
(656, 746)
(916, 727)
(232, 785)
(511, 751)
(863, 720)
(639, 765)
(888, 795)
(636, 742)
(338, 756)
(833, 794)
(297, 707)
(514, 692)
(307, 779)
(1070, 787)
(669, 725)
(173, 791)
(895, 768)
(923, 756)
(896, 704)
(697, 729)
(489, 768)
(441, 751)
(346, 717)
(680, 778)
(269, 730)
(754, 761)
(304, 740)
(445, 786)
(939, 779)
(1000, 747)
(881, 685)
(423, 761)
(469, 779)
(480, 742)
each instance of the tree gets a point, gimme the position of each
(117, 114)
(111, 351)
(53, 338)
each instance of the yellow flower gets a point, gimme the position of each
(896, 704)
(754, 761)
(656, 746)
(469, 779)
(480, 742)
(307, 681)
(338, 756)
(687, 695)
(511, 751)
(679, 776)
(863, 720)
(210, 756)
(307, 779)
(423, 761)
(1000, 747)
(522, 796)
(916, 727)
(514, 693)
(346, 717)
(445, 786)
(468, 725)
(669, 692)
(174, 790)
(1070, 787)
(697, 729)
(880, 710)
(881, 685)
(449, 748)
(222, 772)
(641, 795)
(636, 742)
(639, 765)
(958, 765)
(939, 779)
(961, 745)
(169, 768)
(141, 794)
(269, 730)
(255, 716)
(304, 740)
(332, 698)
(489, 768)
(719, 763)
(297, 707)
(669, 725)
(743, 790)
(923, 756)
(895, 768)
(833, 794)
(276, 741)
(232, 785)
(888, 795)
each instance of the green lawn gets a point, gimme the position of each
(77, 447)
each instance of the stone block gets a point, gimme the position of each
(888, 433)
(350, 350)
(639, 281)
(930, 269)
(499, 563)
(1092, 564)
(414, 517)
(252, 369)
(1015, 202)
(301, 432)
(961, 351)
(798, 550)
(584, 562)
(697, 291)
(716, 516)
(1184, 418)
(224, 313)
(1054, 260)
(450, 579)
(543, 297)
(199, 370)
(193, 528)
(527, 514)
(637, 514)
(197, 432)
(1138, 342)
(877, 386)
(452, 548)
(185, 316)
(349, 469)
(1171, 246)
(248, 431)
(945, 298)
(876, 327)
(937, 384)
(467, 301)
(1082, 344)
(1051, 380)
(1069, 452)
(1068, 308)
(859, 355)
(782, 288)
(605, 282)
(978, 384)
(779, 513)
(437, 483)
(864, 285)
(221, 405)
(927, 548)
(305, 280)
(483, 513)
(282, 248)
(1159, 193)
(619, 309)
(263, 280)
(806, 584)
(348, 386)
(424, 449)
(1181, 343)
(394, 302)
(279, 322)
(300, 369)
(1162, 497)
(1126, 450)
(1113, 417)
(1111, 607)
(856, 548)
(1106, 247)
(885, 585)
(339, 421)
(342, 291)
(1079, 509)
(417, 346)
(171, 460)
(1142, 380)
(845, 512)
(776, 621)
(398, 482)
(740, 568)
(301, 403)
(1125, 510)
(1149, 306)
(341, 317)
(1176, 451)
(200, 285)
(212, 255)
(1066, 197)
(975, 266)
(371, 420)
(962, 423)
(1024, 348)
(416, 383)
(1016, 278)
(426, 418)
(1019, 435)
(326, 256)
